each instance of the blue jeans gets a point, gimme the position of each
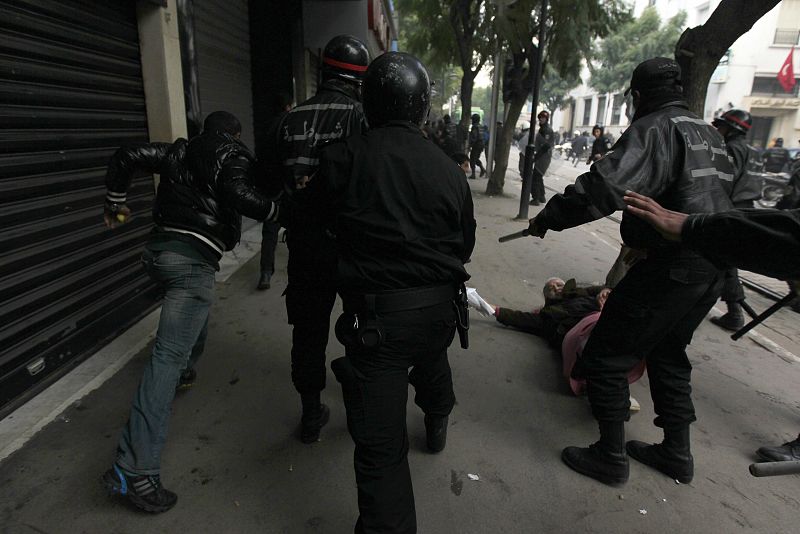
(189, 292)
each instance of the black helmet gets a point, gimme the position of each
(737, 119)
(345, 57)
(396, 87)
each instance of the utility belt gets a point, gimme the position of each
(365, 309)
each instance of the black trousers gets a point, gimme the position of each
(732, 288)
(537, 185)
(309, 309)
(475, 158)
(651, 314)
(269, 240)
(375, 389)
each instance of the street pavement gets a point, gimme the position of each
(234, 461)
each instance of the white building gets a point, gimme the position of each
(746, 79)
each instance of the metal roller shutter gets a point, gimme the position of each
(70, 94)
(222, 33)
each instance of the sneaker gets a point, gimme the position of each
(436, 432)
(789, 451)
(145, 492)
(311, 424)
(187, 379)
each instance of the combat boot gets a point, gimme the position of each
(733, 320)
(605, 460)
(789, 451)
(436, 432)
(672, 457)
(315, 416)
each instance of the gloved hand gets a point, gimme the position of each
(477, 302)
(535, 230)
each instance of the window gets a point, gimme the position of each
(769, 85)
(601, 110)
(616, 108)
(786, 36)
(587, 111)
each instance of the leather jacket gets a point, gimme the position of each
(206, 185)
(747, 184)
(668, 154)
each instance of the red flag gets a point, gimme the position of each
(786, 74)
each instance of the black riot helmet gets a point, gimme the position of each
(345, 57)
(737, 119)
(396, 88)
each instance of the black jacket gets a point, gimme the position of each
(600, 146)
(762, 241)
(401, 210)
(668, 154)
(334, 113)
(775, 159)
(747, 184)
(205, 188)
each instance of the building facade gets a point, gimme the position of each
(746, 77)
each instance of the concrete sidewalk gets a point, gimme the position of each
(236, 466)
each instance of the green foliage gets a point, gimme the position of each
(425, 31)
(554, 93)
(571, 27)
(618, 54)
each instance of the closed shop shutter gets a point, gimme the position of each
(70, 94)
(222, 34)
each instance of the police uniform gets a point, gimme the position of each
(335, 112)
(403, 218)
(672, 155)
(745, 188)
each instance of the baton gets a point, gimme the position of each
(761, 318)
(515, 235)
(771, 469)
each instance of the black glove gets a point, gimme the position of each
(536, 230)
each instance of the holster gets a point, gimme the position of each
(462, 316)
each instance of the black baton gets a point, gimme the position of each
(761, 318)
(515, 235)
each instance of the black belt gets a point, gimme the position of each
(401, 300)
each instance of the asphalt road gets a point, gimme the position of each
(232, 458)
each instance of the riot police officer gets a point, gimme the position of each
(334, 113)
(403, 218)
(733, 125)
(671, 154)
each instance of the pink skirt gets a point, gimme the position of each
(572, 347)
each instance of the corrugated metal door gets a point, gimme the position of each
(70, 94)
(222, 33)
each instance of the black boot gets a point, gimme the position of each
(789, 451)
(315, 416)
(605, 460)
(264, 281)
(436, 432)
(733, 320)
(672, 457)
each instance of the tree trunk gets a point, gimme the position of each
(467, 85)
(503, 146)
(699, 49)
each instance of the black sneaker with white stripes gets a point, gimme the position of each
(145, 491)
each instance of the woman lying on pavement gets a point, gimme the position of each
(566, 320)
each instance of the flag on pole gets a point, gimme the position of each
(786, 74)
